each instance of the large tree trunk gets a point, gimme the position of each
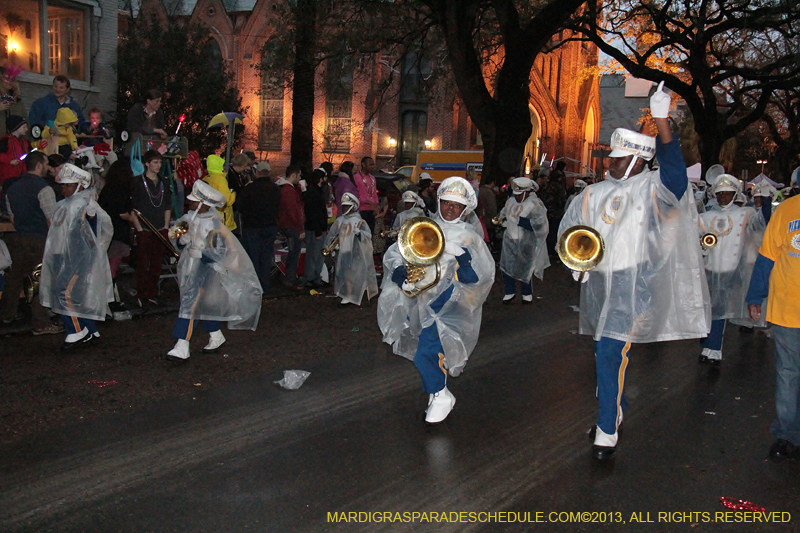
(302, 149)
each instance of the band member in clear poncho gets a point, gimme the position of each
(729, 263)
(524, 253)
(650, 286)
(438, 329)
(355, 268)
(216, 277)
(414, 207)
(76, 277)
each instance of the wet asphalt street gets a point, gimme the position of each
(254, 457)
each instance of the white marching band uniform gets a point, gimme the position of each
(438, 329)
(418, 210)
(524, 252)
(76, 278)
(355, 267)
(216, 276)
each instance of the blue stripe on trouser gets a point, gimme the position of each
(611, 360)
(714, 339)
(184, 327)
(73, 324)
(429, 360)
(510, 286)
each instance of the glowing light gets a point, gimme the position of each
(392, 142)
(427, 143)
(12, 46)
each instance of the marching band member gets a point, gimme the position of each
(76, 277)
(216, 277)
(355, 268)
(730, 261)
(524, 253)
(650, 284)
(438, 329)
(414, 207)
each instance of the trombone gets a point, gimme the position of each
(171, 249)
(581, 248)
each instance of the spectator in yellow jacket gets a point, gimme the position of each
(66, 122)
(216, 178)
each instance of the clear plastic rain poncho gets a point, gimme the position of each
(355, 267)
(651, 284)
(729, 264)
(76, 277)
(524, 252)
(401, 318)
(215, 274)
(408, 214)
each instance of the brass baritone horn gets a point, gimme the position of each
(421, 244)
(581, 248)
(708, 241)
(328, 250)
(498, 221)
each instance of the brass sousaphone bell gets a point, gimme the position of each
(581, 248)
(421, 244)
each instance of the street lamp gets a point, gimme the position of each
(427, 144)
(392, 142)
(762, 162)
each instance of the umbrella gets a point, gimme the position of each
(228, 119)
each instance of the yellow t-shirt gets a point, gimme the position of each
(782, 245)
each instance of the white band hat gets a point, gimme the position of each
(457, 189)
(204, 193)
(350, 199)
(69, 173)
(626, 142)
(520, 185)
(727, 183)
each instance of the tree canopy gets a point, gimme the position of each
(182, 61)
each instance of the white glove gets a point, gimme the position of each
(430, 275)
(185, 239)
(453, 249)
(408, 286)
(91, 209)
(577, 276)
(195, 252)
(660, 103)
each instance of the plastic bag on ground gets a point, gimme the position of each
(293, 379)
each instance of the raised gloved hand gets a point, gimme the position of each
(577, 276)
(660, 103)
(453, 249)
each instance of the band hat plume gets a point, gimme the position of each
(350, 199)
(457, 189)
(204, 193)
(626, 142)
(520, 185)
(726, 182)
(69, 173)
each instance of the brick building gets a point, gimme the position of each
(348, 121)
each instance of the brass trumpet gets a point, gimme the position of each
(30, 285)
(328, 250)
(388, 233)
(498, 221)
(178, 230)
(421, 244)
(171, 249)
(708, 241)
(581, 248)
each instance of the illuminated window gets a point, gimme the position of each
(338, 107)
(61, 50)
(270, 129)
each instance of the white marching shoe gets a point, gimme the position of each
(180, 352)
(527, 298)
(439, 406)
(215, 340)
